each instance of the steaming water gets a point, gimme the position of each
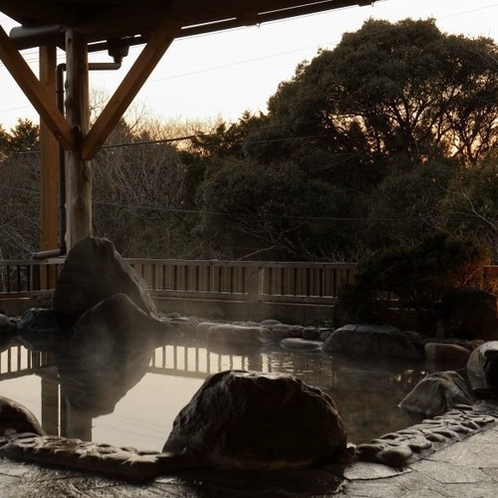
(134, 403)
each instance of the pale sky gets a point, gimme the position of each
(223, 74)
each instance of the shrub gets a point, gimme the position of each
(418, 276)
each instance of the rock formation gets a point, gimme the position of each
(251, 421)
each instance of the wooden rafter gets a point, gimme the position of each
(129, 87)
(103, 19)
(35, 91)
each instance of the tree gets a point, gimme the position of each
(404, 88)
(406, 205)
(470, 205)
(139, 193)
(270, 212)
(19, 216)
(19, 190)
(228, 139)
(419, 275)
(24, 137)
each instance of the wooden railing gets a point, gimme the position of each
(179, 284)
(311, 283)
(28, 277)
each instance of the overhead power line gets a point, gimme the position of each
(31, 56)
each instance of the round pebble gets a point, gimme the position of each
(395, 457)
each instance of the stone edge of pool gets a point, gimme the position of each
(395, 450)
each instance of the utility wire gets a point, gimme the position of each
(141, 207)
(32, 55)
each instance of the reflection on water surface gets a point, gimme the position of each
(130, 398)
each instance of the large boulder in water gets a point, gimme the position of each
(6, 325)
(108, 353)
(250, 421)
(436, 394)
(482, 370)
(468, 313)
(228, 338)
(373, 342)
(93, 271)
(118, 324)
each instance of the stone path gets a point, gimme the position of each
(467, 468)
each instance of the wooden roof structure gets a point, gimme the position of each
(101, 19)
(82, 26)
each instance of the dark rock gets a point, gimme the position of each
(93, 271)
(228, 338)
(297, 344)
(39, 330)
(15, 418)
(311, 334)
(372, 341)
(468, 313)
(185, 326)
(436, 394)
(250, 421)
(101, 459)
(5, 342)
(442, 354)
(325, 334)
(6, 325)
(117, 322)
(108, 352)
(269, 322)
(38, 321)
(482, 370)
(283, 330)
(395, 456)
(202, 328)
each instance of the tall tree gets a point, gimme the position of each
(407, 87)
(470, 205)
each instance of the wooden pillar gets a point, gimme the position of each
(78, 171)
(74, 422)
(49, 176)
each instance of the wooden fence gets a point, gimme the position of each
(229, 289)
(312, 283)
(179, 284)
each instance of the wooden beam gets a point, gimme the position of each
(49, 175)
(130, 86)
(34, 90)
(78, 171)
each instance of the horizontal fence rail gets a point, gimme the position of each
(225, 280)
(290, 283)
(28, 277)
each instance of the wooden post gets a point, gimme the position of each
(78, 171)
(49, 174)
(48, 158)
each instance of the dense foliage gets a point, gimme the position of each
(388, 138)
(418, 275)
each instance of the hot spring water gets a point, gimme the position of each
(137, 406)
